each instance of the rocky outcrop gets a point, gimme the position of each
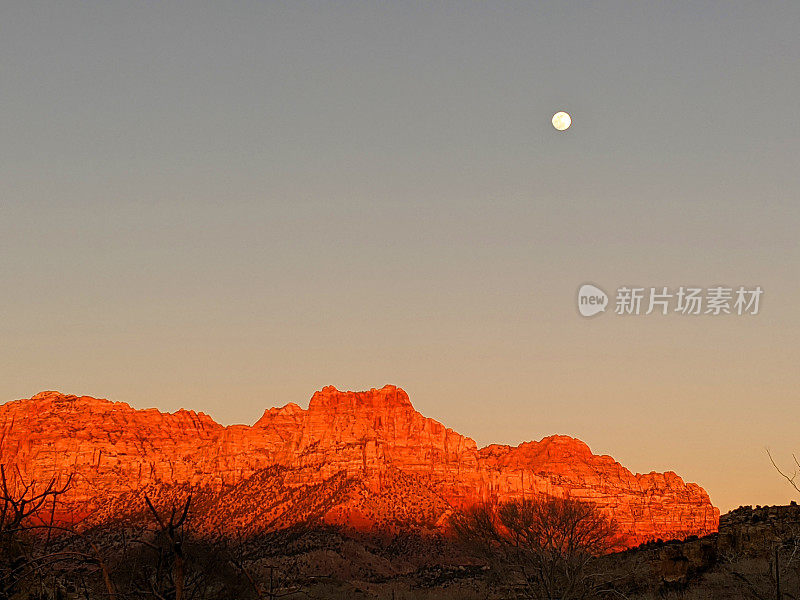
(362, 459)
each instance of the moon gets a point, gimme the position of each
(561, 120)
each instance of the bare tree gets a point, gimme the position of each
(267, 581)
(545, 547)
(773, 574)
(169, 549)
(25, 507)
(770, 576)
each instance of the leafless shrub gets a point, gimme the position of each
(545, 548)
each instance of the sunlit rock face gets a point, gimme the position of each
(365, 460)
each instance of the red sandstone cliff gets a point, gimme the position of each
(364, 459)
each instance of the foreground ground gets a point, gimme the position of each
(737, 562)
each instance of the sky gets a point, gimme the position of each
(227, 206)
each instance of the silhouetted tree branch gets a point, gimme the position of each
(792, 479)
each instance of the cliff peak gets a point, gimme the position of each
(47, 394)
(387, 397)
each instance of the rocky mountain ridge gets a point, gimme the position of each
(366, 460)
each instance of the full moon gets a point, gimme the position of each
(561, 121)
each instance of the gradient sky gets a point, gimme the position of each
(226, 206)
